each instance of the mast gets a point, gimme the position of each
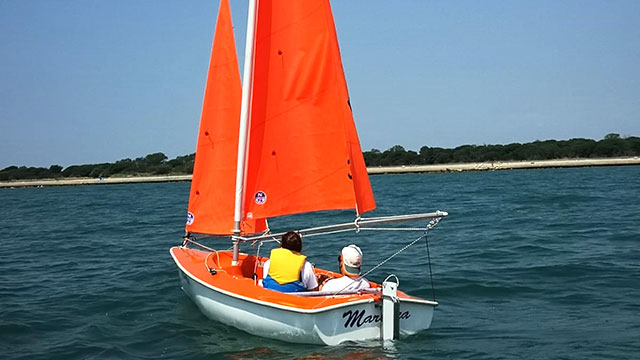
(247, 79)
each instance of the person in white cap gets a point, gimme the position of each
(350, 261)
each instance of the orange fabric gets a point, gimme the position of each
(212, 196)
(304, 154)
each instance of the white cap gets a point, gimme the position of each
(352, 259)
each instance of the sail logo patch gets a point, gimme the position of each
(190, 218)
(260, 198)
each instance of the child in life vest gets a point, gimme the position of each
(287, 270)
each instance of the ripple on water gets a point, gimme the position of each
(530, 264)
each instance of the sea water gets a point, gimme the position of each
(529, 264)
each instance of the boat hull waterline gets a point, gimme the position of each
(328, 319)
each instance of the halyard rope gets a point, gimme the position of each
(207, 259)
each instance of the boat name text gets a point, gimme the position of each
(358, 318)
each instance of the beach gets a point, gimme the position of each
(94, 181)
(477, 166)
(505, 165)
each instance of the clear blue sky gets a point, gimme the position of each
(88, 81)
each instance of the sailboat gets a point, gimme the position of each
(283, 142)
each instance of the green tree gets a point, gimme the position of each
(55, 170)
(372, 157)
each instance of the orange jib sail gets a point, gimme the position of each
(212, 196)
(303, 149)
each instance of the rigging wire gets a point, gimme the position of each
(394, 255)
(430, 226)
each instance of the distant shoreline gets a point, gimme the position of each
(438, 168)
(505, 165)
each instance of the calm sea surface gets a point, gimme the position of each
(541, 264)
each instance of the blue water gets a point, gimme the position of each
(530, 264)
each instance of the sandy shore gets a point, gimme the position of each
(93, 181)
(482, 166)
(506, 165)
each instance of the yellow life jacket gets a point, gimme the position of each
(285, 265)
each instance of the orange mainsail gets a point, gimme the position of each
(303, 150)
(211, 200)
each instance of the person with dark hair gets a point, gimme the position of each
(287, 270)
(349, 261)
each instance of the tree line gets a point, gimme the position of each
(152, 164)
(613, 145)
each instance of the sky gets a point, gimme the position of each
(90, 81)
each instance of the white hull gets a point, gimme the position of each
(354, 321)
